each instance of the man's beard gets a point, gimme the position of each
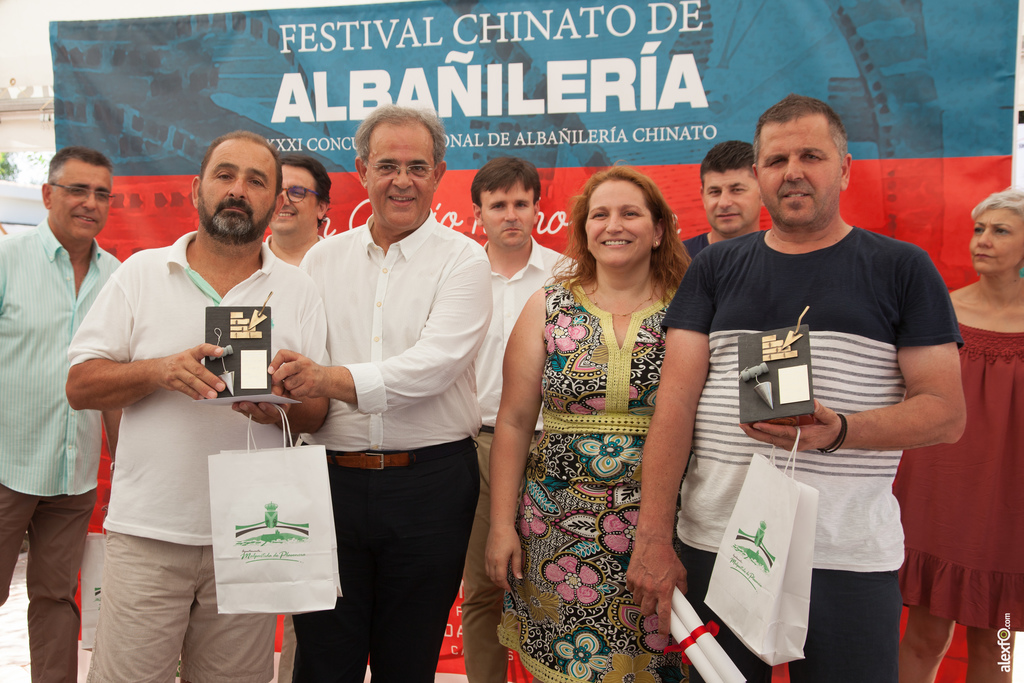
(231, 227)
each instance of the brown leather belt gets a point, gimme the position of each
(378, 460)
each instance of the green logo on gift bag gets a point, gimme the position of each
(751, 556)
(757, 539)
(281, 531)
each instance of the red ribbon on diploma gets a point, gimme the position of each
(691, 639)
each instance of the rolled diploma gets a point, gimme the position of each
(682, 608)
(694, 652)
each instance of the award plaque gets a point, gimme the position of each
(244, 334)
(775, 376)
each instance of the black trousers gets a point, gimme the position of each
(402, 538)
(853, 630)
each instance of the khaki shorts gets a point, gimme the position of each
(159, 601)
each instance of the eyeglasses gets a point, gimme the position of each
(386, 170)
(297, 193)
(79, 192)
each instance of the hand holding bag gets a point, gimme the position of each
(92, 578)
(274, 546)
(761, 583)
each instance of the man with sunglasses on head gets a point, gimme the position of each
(307, 196)
(49, 453)
(408, 304)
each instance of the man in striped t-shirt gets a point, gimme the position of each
(884, 343)
(49, 453)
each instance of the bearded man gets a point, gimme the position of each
(159, 597)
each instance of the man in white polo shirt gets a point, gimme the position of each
(141, 349)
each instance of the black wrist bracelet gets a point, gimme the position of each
(837, 444)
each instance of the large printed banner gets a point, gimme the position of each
(925, 90)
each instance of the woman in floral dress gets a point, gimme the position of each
(589, 349)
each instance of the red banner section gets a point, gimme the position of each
(450, 661)
(924, 201)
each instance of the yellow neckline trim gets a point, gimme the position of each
(620, 358)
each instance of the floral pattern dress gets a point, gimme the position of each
(571, 617)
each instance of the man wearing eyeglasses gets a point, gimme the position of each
(307, 196)
(49, 453)
(408, 304)
(294, 229)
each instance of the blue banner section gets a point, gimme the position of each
(564, 84)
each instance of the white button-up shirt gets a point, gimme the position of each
(508, 295)
(407, 324)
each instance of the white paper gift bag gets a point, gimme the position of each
(274, 547)
(91, 580)
(761, 583)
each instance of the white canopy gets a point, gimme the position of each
(26, 68)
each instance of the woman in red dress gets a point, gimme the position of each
(963, 504)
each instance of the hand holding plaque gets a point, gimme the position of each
(244, 332)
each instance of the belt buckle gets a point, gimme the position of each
(375, 454)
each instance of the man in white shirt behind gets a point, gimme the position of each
(294, 229)
(407, 309)
(506, 193)
(307, 196)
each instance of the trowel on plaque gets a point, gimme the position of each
(228, 376)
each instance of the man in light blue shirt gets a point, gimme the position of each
(49, 453)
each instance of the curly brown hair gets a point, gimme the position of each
(669, 259)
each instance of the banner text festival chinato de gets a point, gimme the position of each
(573, 86)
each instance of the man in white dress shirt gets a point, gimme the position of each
(506, 193)
(408, 305)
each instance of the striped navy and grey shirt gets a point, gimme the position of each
(869, 295)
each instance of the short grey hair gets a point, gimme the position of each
(1010, 199)
(396, 115)
(84, 154)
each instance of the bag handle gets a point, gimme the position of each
(286, 432)
(790, 467)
